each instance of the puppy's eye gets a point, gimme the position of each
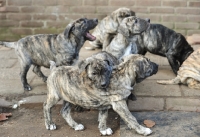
(93, 73)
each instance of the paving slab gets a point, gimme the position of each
(168, 124)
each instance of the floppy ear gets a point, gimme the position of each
(123, 30)
(68, 30)
(82, 65)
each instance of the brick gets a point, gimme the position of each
(147, 3)
(19, 2)
(183, 32)
(194, 4)
(183, 104)
(32, 24)
(7, 23)
(146, 103)
(29, 9)
(69, 2)
(187, 25)
(21, 31)
(45, 2)
(153, 17)
(174, 18)
(7, 64)
(106, 9)
(139, 10)
(145, 88)
(9, 9)
(122, 3)
(57, 24)
(57, 9)
(46, 31)
(175, 3)
(168, 25)
(186, 11)
(96, 2)
(44, 17)
(18, 16)
(190, 32)
(2, 16)
(162, 10)
(98, 16)
(69, 17)
(83, 9)
(193, 18)
(10, 37)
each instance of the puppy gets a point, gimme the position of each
(65, 82)
(188, 73)
(105, 30)
(124, 43)
(62, 48)
(160, 40)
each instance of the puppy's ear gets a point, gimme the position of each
(122, 29)
(68, 30)
(82, 65)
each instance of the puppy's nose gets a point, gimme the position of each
(95, 20)
(103, 84)
(155, 68)
(148, 20)
(136, 20)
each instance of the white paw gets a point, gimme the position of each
(148, 131)
(108, 131)
(79, 127)
(144, 131)
(52, 127)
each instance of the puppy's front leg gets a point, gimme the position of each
(104, 130)
(121, 108)
(65, 111)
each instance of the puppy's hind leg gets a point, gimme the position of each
(51, 101)
(38, 72)
(23, 73)
(65, 111)
(121, 108)
(104, 130)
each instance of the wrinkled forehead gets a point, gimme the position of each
(127, 19)
(98, 65)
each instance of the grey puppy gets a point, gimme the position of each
(62, 48)
(160, 40)
(124, 43)
(105, 30)
(75, 86)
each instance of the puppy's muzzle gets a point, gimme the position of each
(155, 67)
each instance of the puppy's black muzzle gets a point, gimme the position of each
(155, 68)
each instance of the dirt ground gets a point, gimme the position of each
(28, 121)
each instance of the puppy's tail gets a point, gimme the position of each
(8, 44)
(52, 65)
(174, 81)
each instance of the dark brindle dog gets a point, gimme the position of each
(76, 85)
(160, 40)
(62, 48)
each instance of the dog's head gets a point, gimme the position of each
(81, 27)
(132, 26)
(142, 66)
(97, 70)
(121, 13)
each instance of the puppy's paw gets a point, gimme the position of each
(79, 127)
(27, 87)
(51, 126)
(144, 131)
(108, 131)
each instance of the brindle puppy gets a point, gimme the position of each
(83, 86)
(189, 72)
(105, 30)
(123, 43)
(62, 48)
